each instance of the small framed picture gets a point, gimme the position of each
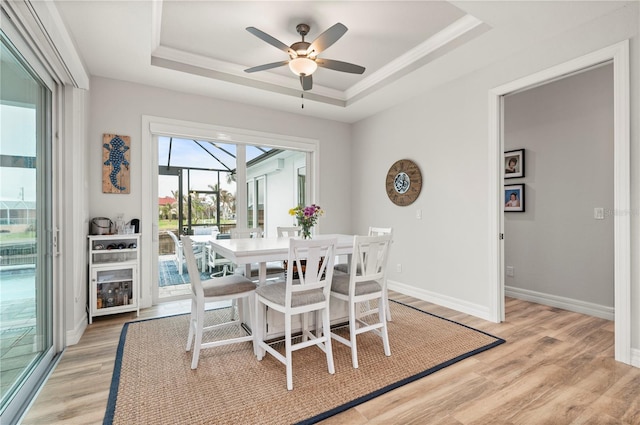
(514, 198)
(514, 164)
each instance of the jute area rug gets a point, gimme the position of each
(154, 384)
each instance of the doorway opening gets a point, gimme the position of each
(618, 54)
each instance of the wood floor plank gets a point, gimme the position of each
(557, 367)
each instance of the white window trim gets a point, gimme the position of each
(152, 127)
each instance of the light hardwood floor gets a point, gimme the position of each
(557, 367)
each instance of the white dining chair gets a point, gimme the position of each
(288, 232)
(344, 267)
(274, 268)
(228, 288)
(218, 266)
(309, 294)
(251, 232)
(364, 283)
(198, 252)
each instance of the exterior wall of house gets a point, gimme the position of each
(444, 255)
(556, 247)
(280, 188)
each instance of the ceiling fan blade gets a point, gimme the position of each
(340, 66)
(266, 66)
(273, 41)
(326, 39)
(306, 82)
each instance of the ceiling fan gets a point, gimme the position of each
(303, 56)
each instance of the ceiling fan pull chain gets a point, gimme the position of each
(302, 96)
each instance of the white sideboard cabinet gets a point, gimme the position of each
(114, 284)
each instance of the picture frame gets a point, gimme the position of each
(116, 157)
(514, 198)
(514, 164)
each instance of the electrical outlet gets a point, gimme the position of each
(510, 271)
(399, 268)
(419, 214)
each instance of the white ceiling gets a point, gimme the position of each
(407, 47)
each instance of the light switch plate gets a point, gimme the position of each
(598, 213)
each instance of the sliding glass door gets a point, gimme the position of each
(26, 323)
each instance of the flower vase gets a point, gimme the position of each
(306, 232)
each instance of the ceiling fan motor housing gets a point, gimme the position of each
(303, 29)
(300, 47)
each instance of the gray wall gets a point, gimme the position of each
(445, 254)
(556, 247)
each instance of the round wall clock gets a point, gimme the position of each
(404, 182)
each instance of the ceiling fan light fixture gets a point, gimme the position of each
(302, 66)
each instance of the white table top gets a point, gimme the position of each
(262, 250)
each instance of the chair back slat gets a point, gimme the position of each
(192, 266)
(317, 273)
(377, 231)
(289, 232)
(176, 242)
(252, 232)
(370, 255)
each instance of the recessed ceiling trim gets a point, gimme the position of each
(156, 23)
(450, 33)
(218, 67)
(222, 76)
(226, 71)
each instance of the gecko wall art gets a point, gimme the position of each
(115, 163)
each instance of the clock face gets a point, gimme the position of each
(404, 182)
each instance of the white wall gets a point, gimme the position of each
(117, 107)
(444, 256)
(73, 214)
(556, 247)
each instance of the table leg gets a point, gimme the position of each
(262, 274)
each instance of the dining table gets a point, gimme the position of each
(247, 251)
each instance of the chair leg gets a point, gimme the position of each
(353, 326)
(305, 326)
(192, 318)
(386, 301)
(237, 303)
(319, 324)
(327, 337)
(198, 342)
(288, 352)
(257, 328)
(252, 320)
(382, 319)
(234, 306)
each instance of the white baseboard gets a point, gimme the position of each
(442, 300)
(73, 336)
(570, 304)
(482, 312)
(635, 357)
